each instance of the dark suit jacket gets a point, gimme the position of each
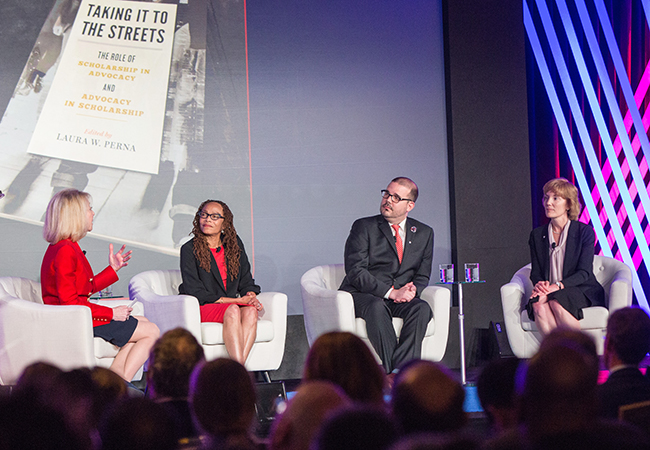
(208, 287)
(371, 263)
(67, 279)
(578, 267)
(623, 387)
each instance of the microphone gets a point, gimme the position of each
(84, 251)
(553, 245)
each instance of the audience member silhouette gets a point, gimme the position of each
(36, 381)
(558, 407)
(305, 413)
(138, 424)
(110, 385)
(76, 397)
(427, 398)
(357, 427)
(496, 391)
(222, 396)
(171, 362)
(626, 344)
(345, 360)
(28, 424)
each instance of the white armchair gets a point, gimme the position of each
(158, 291)
(61, 335)
(327, 309)
(523, 336)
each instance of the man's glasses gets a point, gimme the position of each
(205, 215)
(393, 197)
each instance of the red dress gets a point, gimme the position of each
(214, 312)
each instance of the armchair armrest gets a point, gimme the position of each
(326, 310)
(439, 299)
(620, 291)
(169, 311)
(31, 332)
(275, 310)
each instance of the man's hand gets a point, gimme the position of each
(405, 294)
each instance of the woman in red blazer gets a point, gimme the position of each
(68, 279)
(215, 270)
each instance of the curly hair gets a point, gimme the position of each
(228, 241)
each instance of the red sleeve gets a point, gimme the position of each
(71, 278)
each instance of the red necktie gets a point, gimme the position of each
(398, 243)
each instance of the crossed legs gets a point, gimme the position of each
(136, 351)
(549, 315)
(239, 331)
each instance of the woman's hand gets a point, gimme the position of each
(121, 313)
(251, 299)
(119, 259)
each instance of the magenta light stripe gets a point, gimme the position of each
(639, 96)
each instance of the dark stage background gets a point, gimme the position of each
(335, 89)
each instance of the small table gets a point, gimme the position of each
(461, 325)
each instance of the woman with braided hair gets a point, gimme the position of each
(215, 270)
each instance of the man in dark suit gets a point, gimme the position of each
(388, 264)
(626, 344)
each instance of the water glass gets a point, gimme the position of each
(106, 292)
(446, 273)
(471, 272)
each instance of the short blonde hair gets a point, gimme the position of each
(65, 217)
(565, 189)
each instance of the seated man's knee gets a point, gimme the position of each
(377, 310)
(423, 308)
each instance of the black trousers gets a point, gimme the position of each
(378, 314)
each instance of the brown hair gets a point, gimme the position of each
(171, 362)
(223, 397)
(228, 241)
(563, 188)
(65, 217)
(344, 359)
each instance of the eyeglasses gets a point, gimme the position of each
(205, 215)
(393, 197)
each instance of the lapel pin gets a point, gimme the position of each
(414, 229)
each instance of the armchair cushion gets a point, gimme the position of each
(523, 336)
(158, 292)
(328, 309)
(31, 331)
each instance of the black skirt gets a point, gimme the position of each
(570, 298)
(117, 332)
